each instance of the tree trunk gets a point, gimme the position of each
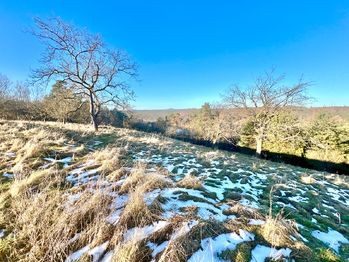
(259, 148)
(94, 122)
(93, 114)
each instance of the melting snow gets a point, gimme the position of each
(114, 217)
(7, 175)
(156, 248)
(108, 257)
(332, 238)
(260, 253)
(64, 160)
(256, 222)
(212, 247)
(2, 232)
(98, 251)
(144, 232)
(10, 154)
(76, 255)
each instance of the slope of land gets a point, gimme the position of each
(68, 194)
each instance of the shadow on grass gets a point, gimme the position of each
(339, 168)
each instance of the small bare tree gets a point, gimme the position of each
(83, 60)
(5, 88)
(264, 100)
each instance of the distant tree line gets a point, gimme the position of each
(264, 117)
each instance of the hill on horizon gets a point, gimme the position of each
(152, 115)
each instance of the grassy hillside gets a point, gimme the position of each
(68, 194)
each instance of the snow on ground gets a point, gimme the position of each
(95, 252)
(223, 175)
(212, 247)
(5, 174)
(2, 232)
(260, 253)
(52, 160)
(10, 154)
(144, 232)
(156, 248)
(332, 238)
(256, 222)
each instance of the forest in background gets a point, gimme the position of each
(315, 137)
(311, 137)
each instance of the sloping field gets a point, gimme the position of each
(68, 194)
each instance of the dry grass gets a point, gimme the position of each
(42, 213)
(45, 220)
(243, 212)
(308, 179)
(191, 181)
(277, 230)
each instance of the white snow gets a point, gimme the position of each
(10, 154)
(303, 238)
(7, 175)
(98, 251)
(115, 217)
(156, 248)
(212, 247)
(299, 199)
(144, 232)
(332, 238)
(260, 253)
(64, 160)
(76, 255)
(256, 222)
(149, 197)
(108, 256)
(315, 210)
(2, 232)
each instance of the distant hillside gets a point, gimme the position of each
(342, 112)
(153, 115)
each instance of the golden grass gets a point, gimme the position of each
(308, 179)
(191, 181)
(277, 230)
(44, 221)
(35, 206)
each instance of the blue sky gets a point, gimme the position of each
(191, 51)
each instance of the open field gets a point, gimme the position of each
(68, 194)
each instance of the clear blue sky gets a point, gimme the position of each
(190, 51)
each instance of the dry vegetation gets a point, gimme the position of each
(66, 189)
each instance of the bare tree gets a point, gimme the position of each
(83, 60)
(5, 88)
(264, 100)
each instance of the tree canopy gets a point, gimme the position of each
(84, 61)
(264, 100)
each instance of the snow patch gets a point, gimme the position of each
(332, 238)
(212, 247)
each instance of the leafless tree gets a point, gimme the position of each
(264, 100)
(83, 60)
(5, 88)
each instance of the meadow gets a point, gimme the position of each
(70, 194)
